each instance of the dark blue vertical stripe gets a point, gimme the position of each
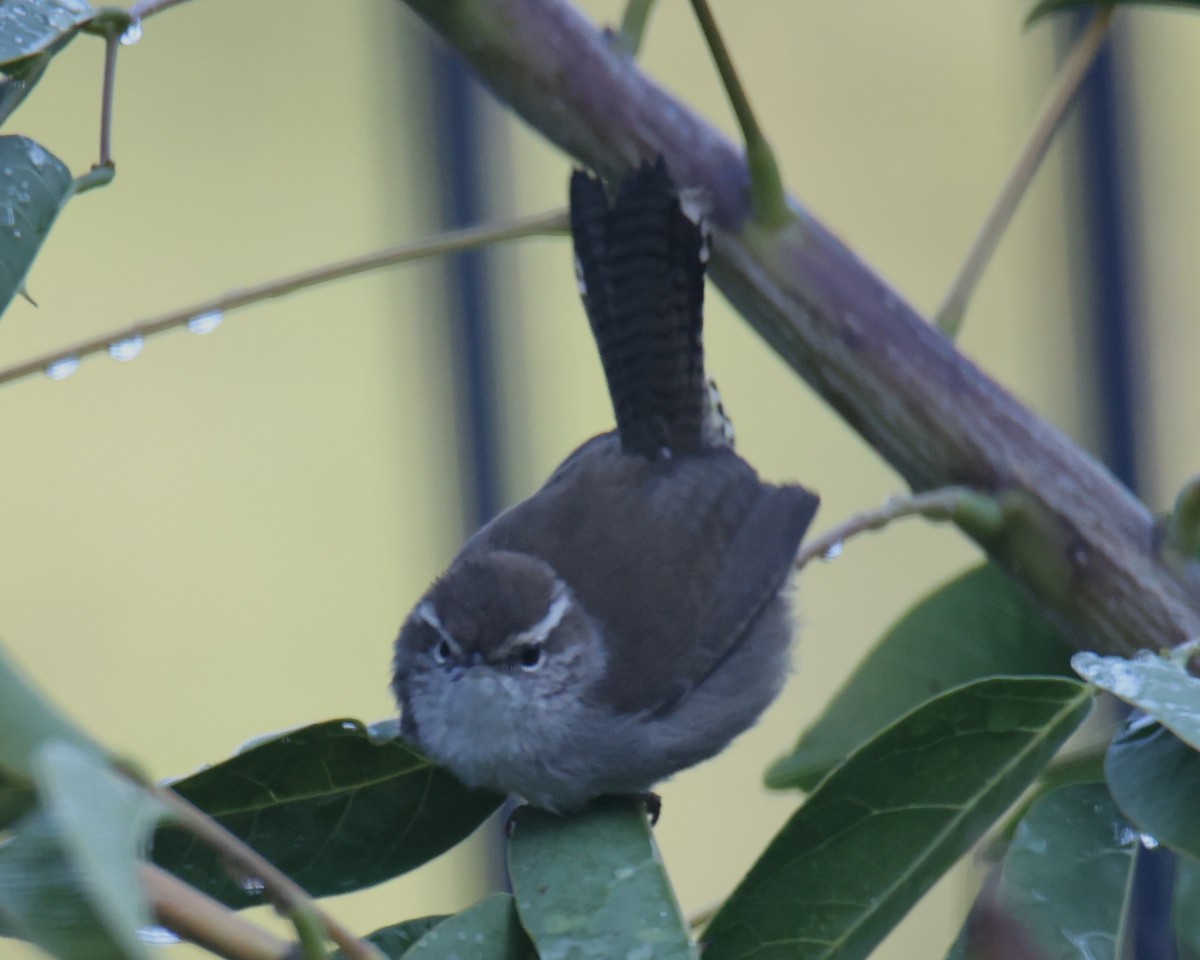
(1104, 162)
(1106, 184)
(461, 161)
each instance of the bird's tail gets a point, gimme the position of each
(640, 263)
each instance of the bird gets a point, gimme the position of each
(633, 615)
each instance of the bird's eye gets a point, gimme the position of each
(442, 652)
(530, 656)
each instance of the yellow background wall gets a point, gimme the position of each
(220, 538)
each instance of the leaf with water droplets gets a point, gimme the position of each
(1159, 686)
(1063, 891)
(979, 624)
(884, 826)
(489, 930)
(69, 876)
(34, 184)
(1155, 779)
(592, 885)
(31, 27)
(333, 805)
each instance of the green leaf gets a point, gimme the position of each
(1064, 889)
(489, 930)
(34, 185)
(1155, 779)
(17, 798)
(27, 719)
(978, 625)
(333, 806)
(1186, 911)
(592, 885)
(69, 877)
(41, 897)
(885, 825)
(395, 938)
(1047, 7)
(1159, 686)
(29, 27)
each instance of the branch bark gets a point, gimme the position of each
(1081, 543)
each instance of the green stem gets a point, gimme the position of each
(1183, 527)
(1074, 71)
(633, 26)
(543, 224)
(966, 506)
(199, 919)
(768, 200)
(279, 887)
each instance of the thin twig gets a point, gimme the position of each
(552, 222)
(276, 884)
(148, 8)
(948, 503)
(201, 920)
(112, 44)
(1062, 94)
(768, 200)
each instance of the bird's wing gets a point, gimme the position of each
(674, 559)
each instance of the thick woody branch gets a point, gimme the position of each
(1079, 541)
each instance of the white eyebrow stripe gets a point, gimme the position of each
(543, 628)
(428, 612)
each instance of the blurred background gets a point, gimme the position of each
(219, 539)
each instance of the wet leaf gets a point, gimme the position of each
(592, 885)
(1065, 886)
(1047, 7)
(489, 930)
(978, 625)
(68, 876)
(34, 185)
(334, 807)
(1155, 779)
(29, 27)
(1156, 685)
(885, 825)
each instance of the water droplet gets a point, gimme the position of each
(61, 369)
(253, 885)
(1149, 842)
(834, 551)
(125, 350)
(159, 935)
(132, 34)
(624, 873)
(37, 156)
(16, 234)
(349, 725)
(206, 322)
(8, 171)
